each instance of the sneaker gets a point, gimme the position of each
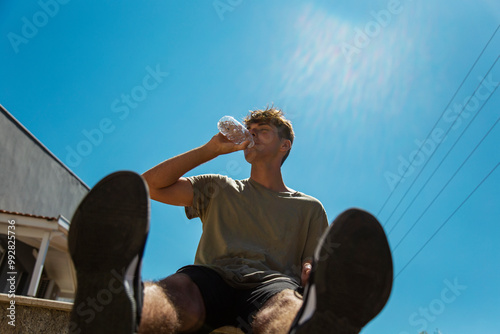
(106, 241)
(351, 278)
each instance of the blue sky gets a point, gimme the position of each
(109, 87)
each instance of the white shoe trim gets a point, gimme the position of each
(130, 274)
(310, 306)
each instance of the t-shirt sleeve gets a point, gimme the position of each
(317, 227)
(205, 187)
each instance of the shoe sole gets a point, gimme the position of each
(351, 279)
(107, 232)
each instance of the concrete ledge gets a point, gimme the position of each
(33, 315)
(37, 302)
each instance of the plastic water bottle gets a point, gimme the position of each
(234, 131)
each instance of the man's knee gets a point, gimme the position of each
(278, 311)
(158, 312)
(187, 299)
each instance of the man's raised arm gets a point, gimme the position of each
(165, 180)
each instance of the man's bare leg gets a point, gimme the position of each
(172, 305)
(278, 313)
(158, 314)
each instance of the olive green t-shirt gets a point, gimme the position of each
(252, 234)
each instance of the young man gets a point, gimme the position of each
(261, 243)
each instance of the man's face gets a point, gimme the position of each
(267, 142)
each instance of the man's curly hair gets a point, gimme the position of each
(276, 117)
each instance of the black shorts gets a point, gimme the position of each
(228, 306)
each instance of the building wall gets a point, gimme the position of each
(32, 179)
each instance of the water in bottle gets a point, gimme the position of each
(234, 131)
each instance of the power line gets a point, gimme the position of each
(447, 183)
(446, 221)
(442, 160)
(439, 118)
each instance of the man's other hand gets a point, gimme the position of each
(306, 272)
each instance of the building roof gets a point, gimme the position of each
(27, 215)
